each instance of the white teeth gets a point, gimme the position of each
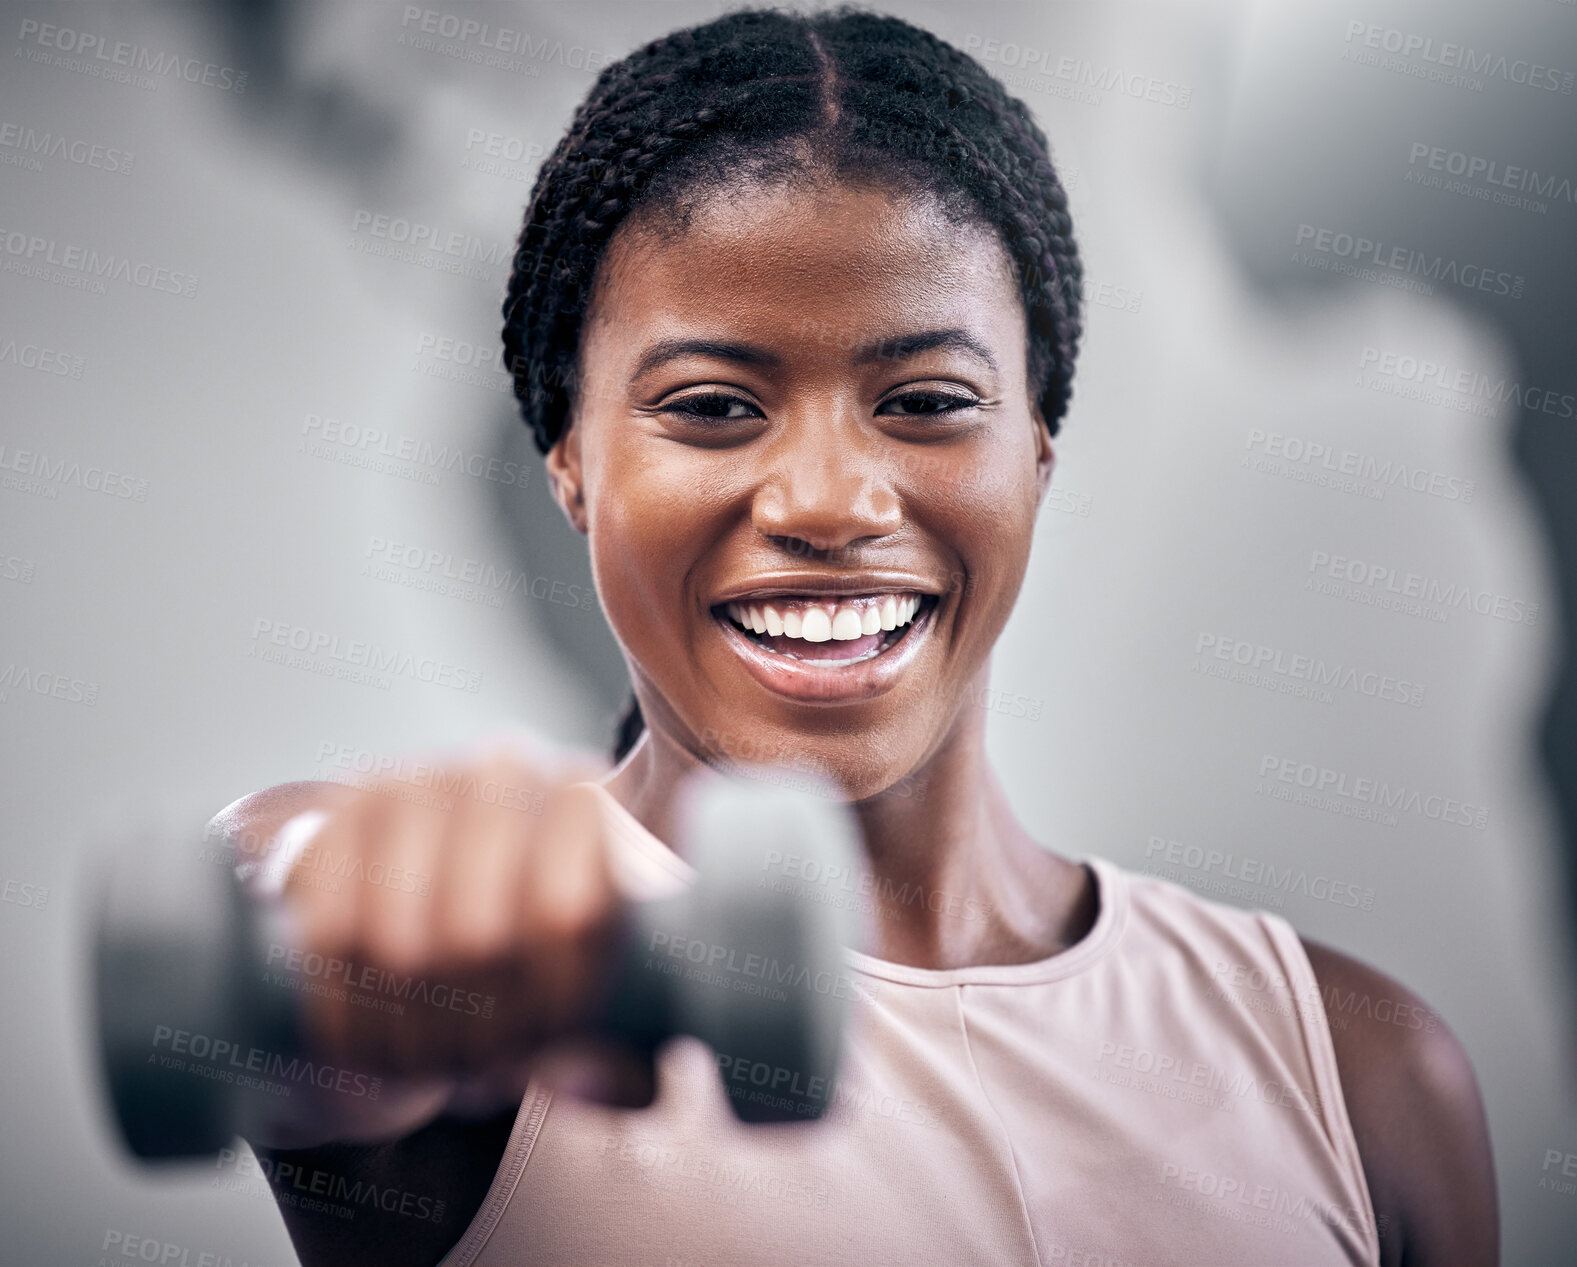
(846, 624)
(829, 620)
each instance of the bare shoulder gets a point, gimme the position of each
(1417, 1115)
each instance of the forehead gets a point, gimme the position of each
(784, 262)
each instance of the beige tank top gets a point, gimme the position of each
(1163, 1092)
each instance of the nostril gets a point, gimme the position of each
(800, 548)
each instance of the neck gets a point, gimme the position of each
(955, 880)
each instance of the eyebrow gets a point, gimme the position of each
(900, 347)
(897, 348)
(719, 349)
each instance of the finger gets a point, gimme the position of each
(400, 854)
(326, 910)
(483, 855)
(568, 906)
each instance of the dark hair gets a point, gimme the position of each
(766, 94)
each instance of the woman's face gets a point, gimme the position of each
(807, 410)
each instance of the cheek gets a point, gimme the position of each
(648, 524)
(987, 517)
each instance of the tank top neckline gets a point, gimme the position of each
(1111, 890)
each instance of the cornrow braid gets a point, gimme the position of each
(868, 96)
(768, 94)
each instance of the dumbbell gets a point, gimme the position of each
(195, 1032)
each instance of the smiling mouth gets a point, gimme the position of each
(828, 633)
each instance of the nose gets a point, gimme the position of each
(828, 487)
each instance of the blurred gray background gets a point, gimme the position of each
(1329, 311)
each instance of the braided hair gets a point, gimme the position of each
(767, 95)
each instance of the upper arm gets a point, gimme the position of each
(1417, 1115)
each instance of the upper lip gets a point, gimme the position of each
(824, 585)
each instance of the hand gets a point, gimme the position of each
(464, 930)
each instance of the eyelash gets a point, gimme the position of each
(950, 403)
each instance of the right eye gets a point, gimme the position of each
(712, 407)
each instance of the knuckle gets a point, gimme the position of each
(475, 944)
(577, 916)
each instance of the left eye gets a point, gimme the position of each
(926, 403)
(713, 406)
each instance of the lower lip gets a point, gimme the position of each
(808, 682)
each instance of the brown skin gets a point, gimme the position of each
(822, 464)
(832, 468)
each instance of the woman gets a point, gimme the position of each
(793, 318)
